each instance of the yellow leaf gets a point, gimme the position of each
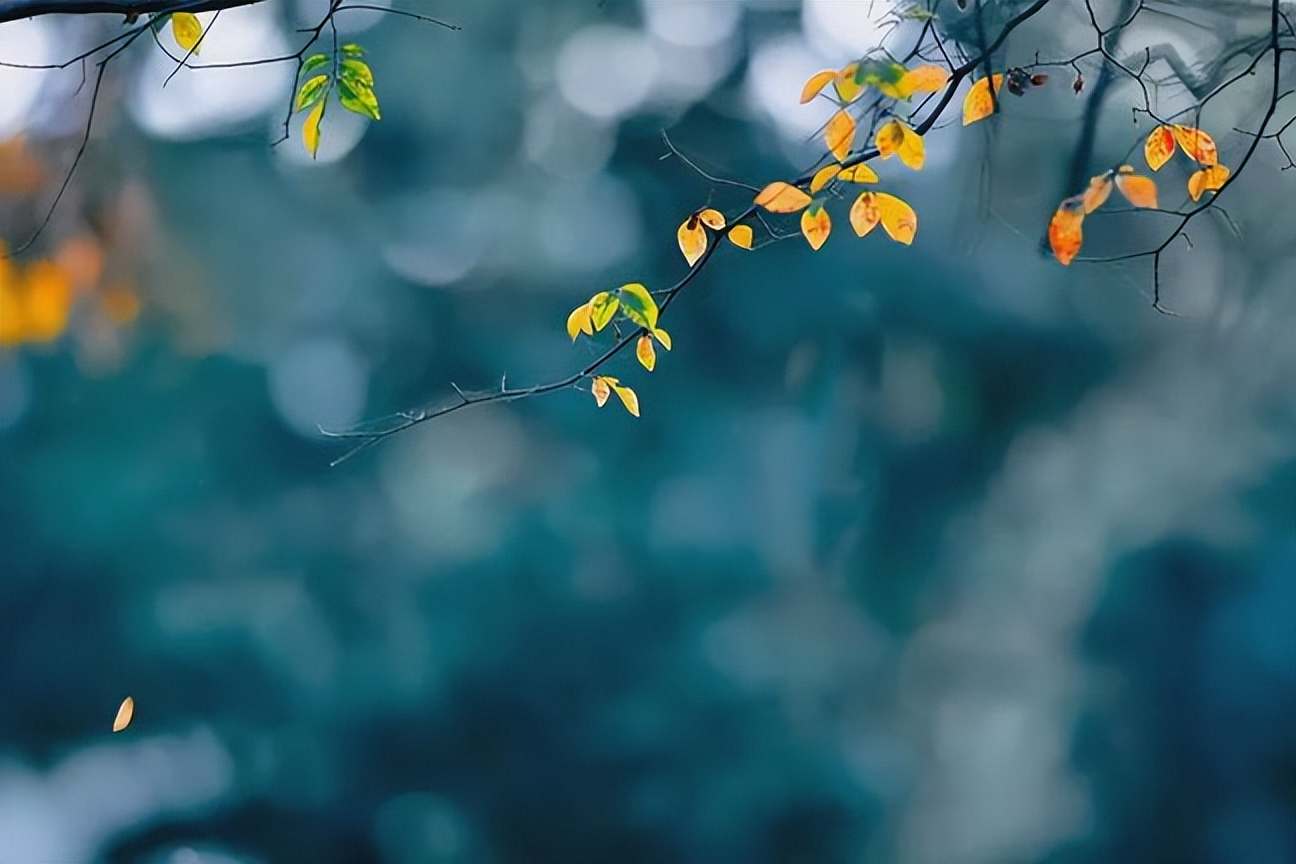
(858, 174)
(601, 389)
(187, 30)
(1209, 179)
(1064, 233)
(864, 215)
(847, 83)
(780, 197)
(1099, 189)
(1197, 144)
(311, 129)
(897, 139)
(645, 352)
(579, 321)
(124, 714)
(713, 219)
(628, 398)
(638, 305)
(840, 134)
(815, 85)
(603, 306)
(898, 219)
(816, 226)
(979, 102)
(823, 177)
(1139, 191)
(741, 235)
(692, 239)
(924, 79)
(1159, 147)
(663, 337)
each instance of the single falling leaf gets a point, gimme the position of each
(1208, 179)
(1159, 147)
(860, 173)
(645, 352)
(692, 239)
(1100, 188)
(1197, 144)
(897, 218)
(713, 219)
(823, 177)
(780, 197)
(924, 79)
(639, 306)
(187, 30)
(1138, 190)
(628, 398)
(579, 321)
(979, 102)
(1064, 233)
(897, 139)
(124, 714)
(663, 337)
(601, 388)
(741, 236)
(815, 85)
(311, 128)
(840, 134)
(847, 83)
(815, 225)
(603, 306)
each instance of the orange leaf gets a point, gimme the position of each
(713, 219)
(1197, 144)
(815, 85)
(816, 226)
(1099, 188)
(858, 174)
(601, 388)
(645, 352)
(897, 139)
(1064, 231)
(741, 235)
(979, 103)
(924, 79)
(840, 134)
(847, 83)
(898, 219)
(692, 239)
(780, 197)
(823, 177)
(1209, 179)
(1159, 147)
(1139, 191)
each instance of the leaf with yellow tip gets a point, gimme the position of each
(980, 102)
(815, 85)
(601, 389)
(1208, 179)
(823, 177)
(741, 236)
(1138, 190)
(1100, 188)
(603, 306)
(692, 239)
(1197, 144)
(1064, 233)
(311, 128)
(628, 398)
(1159, 147)
(924, 79)
(897, 218)
(815, 225)
(579, 322)
(645, 352)
(780, 197)
(840, 134)
(187, 30)
(858, 174)
(897, 139)
(124, 713)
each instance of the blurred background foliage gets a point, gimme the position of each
(940, 553)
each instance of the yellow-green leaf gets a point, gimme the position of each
(663, 337)
(356, 70)
(311, 92)
(645, 352)
(603, 306)
(187, 30)
(780, 197)
(311, 128)
(358, 97)
(741, 236)
(847, 83)
(639, 306)
(628, 398)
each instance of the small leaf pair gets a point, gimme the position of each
(895, 215)
(633, 301)
(644, 350)
(353, 80)
(897, 139)
(855, 174)
(1196, 144)
(692, 233)
(604, 386)
(1066, 232)
(780, 197)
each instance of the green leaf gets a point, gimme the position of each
(311, 92)
(358, 97)
(352, 50)
(638, 305)
(356, 70)
(313, 62)
(605, 305)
